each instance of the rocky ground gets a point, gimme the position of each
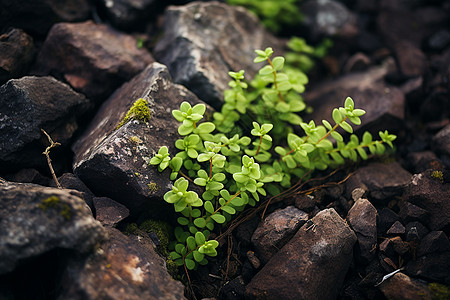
(74, 69)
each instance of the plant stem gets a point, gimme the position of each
(332, 129)
(210, 168)
(234, 196)
(275, 80)
(259, 145)
(49, 161)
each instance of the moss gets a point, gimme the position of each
(135, 139)
(131, 228)
(439, 291)
(54, 202)
(161, 229)
(139, 111)
(152, 186)
(438, 175)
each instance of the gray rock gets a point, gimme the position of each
(93, 58)
(276, 230)
(109, 212)
(410, 212)
(36, 219)
(114, 163)
(432, 195)
(28, 105)
(441, 141)
(121, 268)
(326, 18)
(396, 229)
(38, 16)
(415, 231)
(401, 286)
(422, 161)
(203, 41)
(384, 104)
(16, 53)
(380, 180)
(318, 256)
(432, 267)
(411, 60)
(386, 217)
(435, 241)
(362, 218)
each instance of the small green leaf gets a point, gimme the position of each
(209, 207)
(229, 209)
(198, 256)
(190, 241)
(278, 63)
(266, 70)
(199, 238)
(183, 221)
(218, 218)
(200, 222)
(190, 264)
(347, 127)
(337, 117)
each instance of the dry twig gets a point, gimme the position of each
(47, 154)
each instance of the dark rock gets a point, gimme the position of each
(387, 263)
(401, 247)
(422, 161)
(396, 229)
(410, 59)
(109, 212)
(121, 268)
(16, 53)
(318, 256)
(432, 195)
(38, 16)
(276, 230)
(328, 18)
(441, 141)
(93, 58)
(29, 176)
(114, 163)
(28, 105)
(410, 212)
(432, 267)
(362, 218)
(415, 231)
(305, 202)
(128, 14)
(244, 231)
(401, 286)
(380, 180)
(71, 181)
(357, 63)
(203, 41)
(253, 259)
(386, 112)
(387, 247)
(439, 40)
(35, 220)
(386, 217)
(435, 241)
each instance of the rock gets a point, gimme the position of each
(202, 42)
(305, 202)
(362, 218)
(233, 289)
(328, 18)
(415, 231)
(114, 163)
(318, 256)
(38, 16)
(439, 40)
(411, 60)
(401, 286)
(396, 229)
(71, 181)
(422, 161)
(29, 176)
(387, 247)
(435, 241)
(432, 267)
(244, 231)
(128, 14)
(121, 268)
(28, 105)
(35, 220)
(93, 58)
(276, 230)
(401, 247)
(381, 180)
(109, 212)
(441, 141)
(432, 195)
(386, 217)
(16, 53)
(386, 112)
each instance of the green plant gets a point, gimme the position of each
(138, 111)
(274, 14)
(302, 56)
(234, 163)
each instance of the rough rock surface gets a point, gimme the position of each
(440, 141)
(202, 42)
(401, 286)
(109, 212)
(435, 241)
(380, 180)
(318, 256)
(276, 230)
(38, 16)
(432, 195)
(93, 58)
(121, 268)
(114, 163)
(384, 104)
(16, 53)
(28, 105)
(126, 14)
(36, 219)
(362, 218)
